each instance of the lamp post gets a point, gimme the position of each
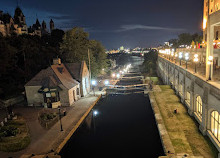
(186, 58)
(210, 61)
(195, 60)
(175, 57)
(172, 54)
(61, 127)
(180, 57)
(93, 86)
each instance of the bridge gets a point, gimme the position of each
(127, 89)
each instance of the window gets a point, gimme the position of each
(188, 98)
(176, 83)
(215, 126)
(77, 91)
(48, 95)
(199, 106)
(216, 35)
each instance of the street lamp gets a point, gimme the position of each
(186, 58)
(210, 60)
(93, 86)
(61, 127)
(195, 60)
(175, 57)
(180, 57)
(113, 75)
(172, 54)
(118, 75)
(106, 82)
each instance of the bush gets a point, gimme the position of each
(8, 130)
(48, 116)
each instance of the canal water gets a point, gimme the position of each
(119, 125)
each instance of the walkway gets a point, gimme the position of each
(43, 141)
(200, 68)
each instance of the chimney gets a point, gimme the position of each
(57, 61)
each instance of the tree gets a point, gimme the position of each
(149, 66)
(75, 44)
(185, 39)
(174, 42)
(100, 58)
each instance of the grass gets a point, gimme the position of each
(18, 142)
(182, 129)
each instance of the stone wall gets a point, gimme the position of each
(184, 81)
(33, 97)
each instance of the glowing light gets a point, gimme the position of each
(94, 82)
(196, 56)
(113, 75)
(118, 75)
(210, 58)
(180, 55)
(204, 23)
(106, 82)
(95, 112)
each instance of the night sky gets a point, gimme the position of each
(130, 23)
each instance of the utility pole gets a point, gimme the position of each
(89, 67)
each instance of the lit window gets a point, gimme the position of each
(215, 125)
(199, 106)
(188, 98)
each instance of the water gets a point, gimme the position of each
(124, 126)
(119, 125)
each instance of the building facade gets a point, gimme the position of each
(17, 25)
(53, 87)
(201, 98)
(211, 28)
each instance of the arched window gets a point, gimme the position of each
(188, 98)
(199, 106)
(215, 126)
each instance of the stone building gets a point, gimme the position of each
(53, 87)
(80, 72)
(58, 85)
(17, 25)
(211, 28)
(202, 98)
(40, 29)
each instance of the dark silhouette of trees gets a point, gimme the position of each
(22, 57)
(149, 66)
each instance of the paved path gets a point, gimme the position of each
(200, 72)
(43, 141)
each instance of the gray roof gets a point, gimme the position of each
(64, 76)
(55, 75)
(74, 69)
(45, 77)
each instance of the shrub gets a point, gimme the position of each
(48, 116)
(9, 130)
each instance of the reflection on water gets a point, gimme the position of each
(119, 125)
(123, 126)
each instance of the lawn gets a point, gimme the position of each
(182, 129)
(17, 137)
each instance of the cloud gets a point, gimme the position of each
(144, 27)
(60, 17)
